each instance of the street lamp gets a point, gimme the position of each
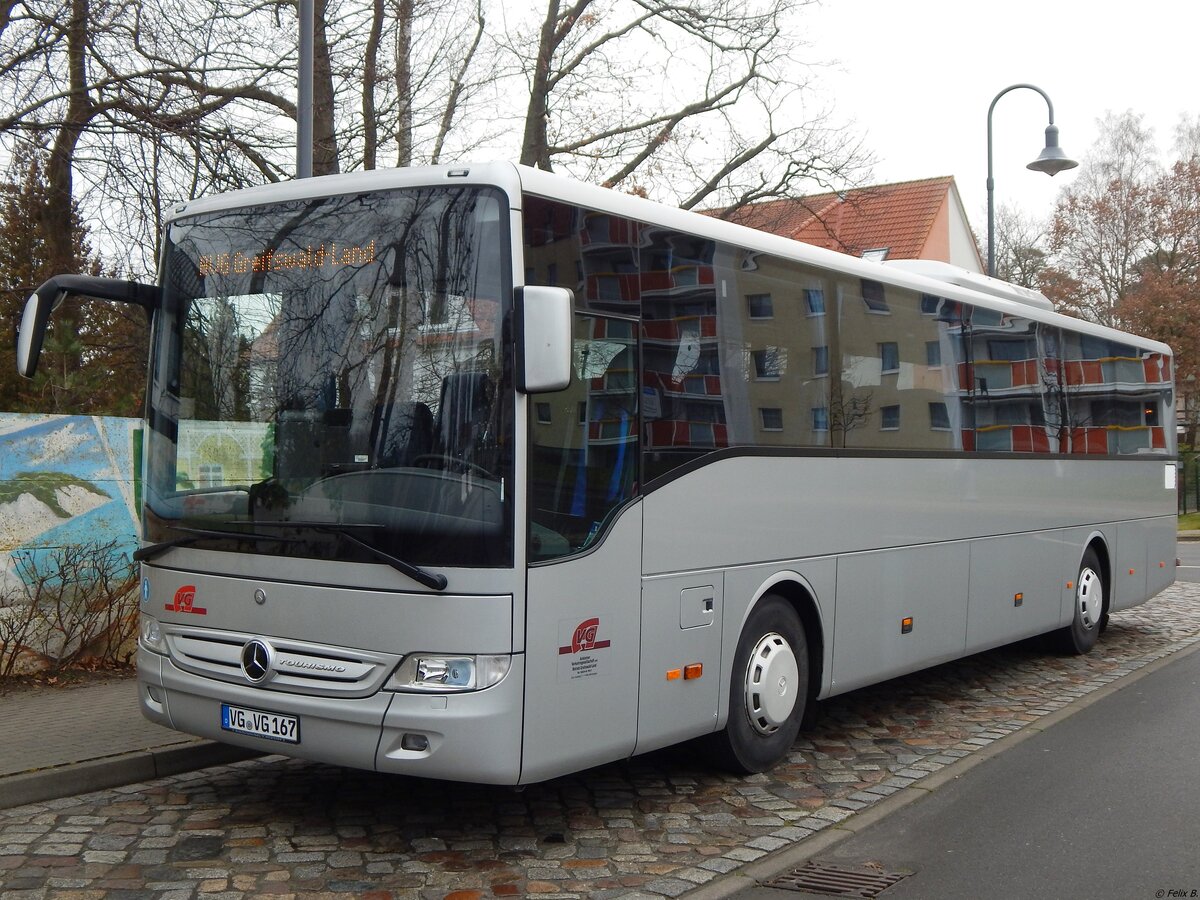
(1051, 160)
(304, 92)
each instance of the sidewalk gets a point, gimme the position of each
(61, 741)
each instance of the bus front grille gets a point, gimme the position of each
(292, 666)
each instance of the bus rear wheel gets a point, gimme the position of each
(768, 689)
(1088, 615)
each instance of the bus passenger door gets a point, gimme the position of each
(681, 658)
(581, 656)
(583, 616)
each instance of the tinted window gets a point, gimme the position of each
(742, 349)
(584, 447)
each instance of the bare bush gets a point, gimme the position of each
(79, 609)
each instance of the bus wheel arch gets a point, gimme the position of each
(802, 598)
(1099, 546)
(772, 685)
(1090, 601)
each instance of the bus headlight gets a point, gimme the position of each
(441, 673)
(150, 634)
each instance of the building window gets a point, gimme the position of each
(873, 296)
(933, 353)
(878, 254)
(768, 364)
(939, 417)
(814, 299)
(929, 304)
(820, 360)
(543, 413)
(889, 356)
(889, 417)
(772, 418)
(759, 306)
(820, 418)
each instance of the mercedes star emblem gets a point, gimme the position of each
(256, 660)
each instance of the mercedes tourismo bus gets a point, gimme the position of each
(482, 474)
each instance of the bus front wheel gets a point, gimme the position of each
(768, 689)
(1087, 614)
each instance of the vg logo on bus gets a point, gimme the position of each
(579, 649)
(185, 602)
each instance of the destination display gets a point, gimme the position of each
(333, 255)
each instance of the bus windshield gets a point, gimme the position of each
(329, 382)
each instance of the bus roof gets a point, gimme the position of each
(925, 276)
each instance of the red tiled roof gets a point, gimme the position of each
(896, 216)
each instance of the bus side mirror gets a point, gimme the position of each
(32, 330)
(544, 339)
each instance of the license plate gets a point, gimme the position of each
(256, 722)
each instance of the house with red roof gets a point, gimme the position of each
(922, 219)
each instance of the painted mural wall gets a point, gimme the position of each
(65, 480)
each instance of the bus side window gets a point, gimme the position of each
(584, 448)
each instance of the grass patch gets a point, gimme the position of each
(1190, 522)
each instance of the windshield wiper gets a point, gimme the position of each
(433, 580)
(199, 534)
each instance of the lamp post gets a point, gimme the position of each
(304, 92)
(1051, 160)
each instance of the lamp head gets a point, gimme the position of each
(1052, 160)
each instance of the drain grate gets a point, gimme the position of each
(836, 881)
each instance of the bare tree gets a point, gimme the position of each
(602, 101)
(1101, 226)
(1021, 252)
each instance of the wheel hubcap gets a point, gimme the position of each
(772, 678)
(1089, 598)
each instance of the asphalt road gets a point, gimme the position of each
(1189, 556)
(1102, 805)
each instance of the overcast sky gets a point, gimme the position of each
(918, 76)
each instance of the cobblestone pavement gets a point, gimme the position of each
(654, 826)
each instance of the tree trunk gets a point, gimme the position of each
(404, 123)
(370, 76)
(57, 215)
(535, 145)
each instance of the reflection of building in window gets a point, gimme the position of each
(820, 360)
(759, 306)
(814, 299)
(889, 418)
(772, 418)
(939, 417)
(933, 353)
(873, 296)
(820, 418)
(210, 475)
(543, 414)
(1031, 388)
(889, 356)
(768, 363)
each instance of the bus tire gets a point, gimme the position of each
(1088, 608)
(768, 689)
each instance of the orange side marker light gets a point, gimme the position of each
(695, 670)
(674, 674)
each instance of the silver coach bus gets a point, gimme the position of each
(482, 474)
